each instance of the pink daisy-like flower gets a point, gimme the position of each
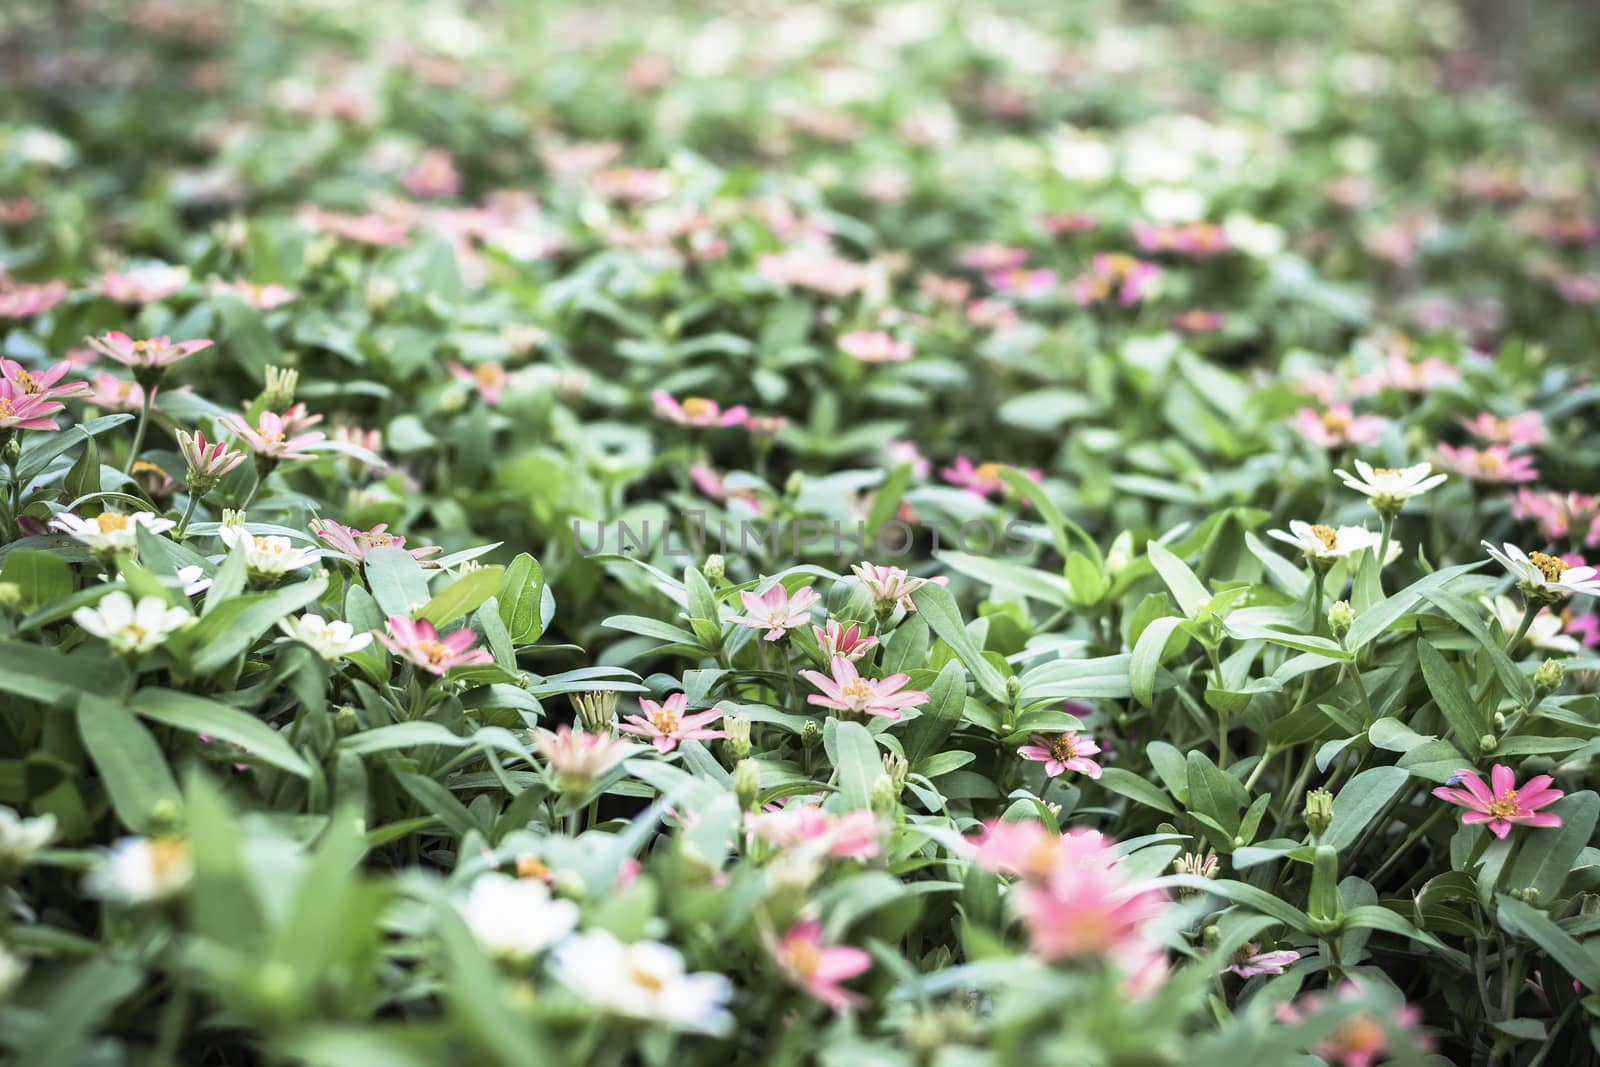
(489, 379)
(816, 968)
(1522, 430)
(776, 611)
(1361, 1041)
(433, 176)
(1560, 515)
(1494, 464)
(1022, 283)
(836, 640)
(1501, 804)
(110, 393)
(155, 354)
(893, 583)
(270, 437)
(992, 257)
(983, 479)
(1061, 753)
(696, 410)
(42, 384)
(847, 691)
(579, 757)
(358, 543)
(1115, 274)
(665, 724)
(1023, 848)
(418, 642)
(26, 301)
(143, 285)
(1337, 426)
(20, 411)
(1250, 961)
(714, 484)
(261, 297)
(801, 825)
(370, 229)
(874, 346)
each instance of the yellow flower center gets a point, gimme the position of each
(1489, 462)
(6, 410)
(149, 347)
(666, 720)
(146, 467)
(1327, 535)
(988, 472)
(1361, 1034)
(804, 958)
(1335, 421)
(647, 979)
(1549, 566)
(530, 866)
(857, 692)
(1505, 805)
(699, 407)
(111, 522)
(168, 855)
(433, 651)
(490, 374)
(1064, 747)
(25, 380)
(1384, 470)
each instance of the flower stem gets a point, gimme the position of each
(139, 431)
(1383, 544)
(188, 513)
(1528, 613)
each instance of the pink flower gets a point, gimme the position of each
(1250, 961)
(776, 611)
(418, 642)
(813, 269)
(992, 257)
(1338, 426)
(42, 384)
(1199, 320)
(1560, 515)
(271, 438)
(1362, 1040)
(580, 757)
(837, 641)
(632, 183)
(157, 353)
(666, 724)
(143, 285)
(696, 411)
(1061, 753)
(434, 176)
(800, 825)
(111, 393)
(1494, 464)
(261, 297)
(983, 479)
(206, 459)
(994, 315)
(1024, 848)
(26, 301)
(847, 691)
(20, 411)
(369, 229)
(1399, 372)
(874, 346)
(765, 427)
(892, 583)
(713, 484)
(1586, 628)
(1197, 239)
(1115, 273)
(489, 379)
(1062, 225)
(1505, 805)
(901, 452)
(817, 969)
(1526, 429)
(1022, 283)
(358, 543)
(1574, 288)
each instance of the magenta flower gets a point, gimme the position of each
(836, 640)
(1061, 753)
(874, 346)
(801, 825)
(155, 354)
(1337, 426)
(1504, 805)
(1361, 1041)
(418, 642)
(358, 543)
(26, 301)
(489, 379)
(1250, 961)
(847, 691)
(22, 411)
(42, 384)
(817, 969)
(696, 410)
(983, 479)
(271, 437)
(1495, 464)
(666, 724)
(776, 611)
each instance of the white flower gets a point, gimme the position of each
(1082, 157)
(1390, 489)
(12, 968)
(1543, 633)
(194, 580)
(515, 918)
(268, 556)
(644, 980)
(1165, 203)
(330, 640)
(1252, 236)
(127, 628)
(1545, 577)
(111, 531)
(138, 870)
(20, 838)
(1325, 542)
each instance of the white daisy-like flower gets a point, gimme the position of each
(1319, 542)
(140, 870)
(1389, 489)
(128, 628)
(269, 556)
(110, 531)
(1544, 632)
(645, 980)
(329, 639)
(515, 918)
(1545, 577)
(21, 839)
(194, 579)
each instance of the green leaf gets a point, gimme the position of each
(858, 763)
(1547, 854)
(463, 596)
(42, 448)
(198, 715)
(1359, 802)
(48, 675)
(1148, 654)
(906, 649)
(131, 766)
(939, 717)
(886, 500)
(397, 581)
(236, 625)
(1523, 920)
(1136, 789)
(520, 593)
(1451, 696)
(441, 802)
(1061, 527)
(1186, 589)
(938, 607)
(41, 576)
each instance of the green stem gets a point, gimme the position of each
(188, 513)
(1528, 613)
(1383, 544)
(139, 431)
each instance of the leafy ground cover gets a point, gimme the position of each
(924, 533)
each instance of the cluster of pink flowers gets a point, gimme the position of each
(992, 257)
(367, 229)
(1560, 515)
(1115, 275)
(1075, 900)
(1196, 239)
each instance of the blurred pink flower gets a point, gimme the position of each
(419, 643)
(1526, 429)
(358, 543)
(110, 393)
(489, 379)
(1197, 239)
(1116, 274)
(893, 583)
(983, 479)
(847, 691)
(157, 353)
(818, 969)
(143, 285)
(1338, 426)
(368, 229)
(26, 301)
(261, 297)
(776, 611)
(433, 176)
(1503, 805)
(874, 346)
(578, 756)
(42, 384)
(1250, 961)
(1361, 1041)
(272, 437)
(665, 724)
(798, 824)
(696, 410)
(1560, 515)
(1022, 283)
(1494, 464)
(1061, 753)
(992, 257)
(1199, 320)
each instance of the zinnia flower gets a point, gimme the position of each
(515, 918)
(41, 384)
(776, 611)
(1319, 542)
(261, 297)
(666, 724)
(128, 628)
(268, 556)
(110, 393)
(1504, 805)
(207, 461)
(26, 301)
(22, 412)
(847, 691)
(1389, 489)
(1544, 632)
(1250, 961)
(696, 411)
(1061, 753)
(1492, 465)
(892, 584)
(801, 825)
(110, 531)
(143, 285)
(141, 870)
(577, 757)
(1525, 429)
(818, 969)
(1560, 515)
(983, 479)
(418, 642)
(1541, 576)
(332, 640)
(145, 357)
(489, 379)
(1338, 426)
(836, 641)
(271, 437)
(874, 346)
(358, 543)
(21, 839)
(645, 980)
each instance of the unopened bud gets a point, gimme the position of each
(1319, 811)
(10, 595)
(1340, 617)
(737, 728)
(1211, 936)
(715, 568)
(380, 292)
(795, 485)
(896, 768)
(1324, 906)
(278, 395)
(885, 795)
(811, 733)
(1528, 895)
(1547, 679)
(1196, 865)
(231, 517)
(1488, 742)
(345, 722)
(747, 784)
(596, 710)
(1013, 688)
(1120, 554)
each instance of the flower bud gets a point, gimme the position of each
(1013, 688)
(795, 484)
(278, 395)
(1120, 554)
(345, 721)
(896, 767)
(1340, 617)
(1488, 742)
(747, 784)
(1211, 936)
(1528, 895)
(1325, 907)
(1319, 811)
(1547, 679)
(380, 292)
(737, 727)
(11, 448)
(596, 710)
(811, 733)
(715, 568)
(10, 595)
(885, 795)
